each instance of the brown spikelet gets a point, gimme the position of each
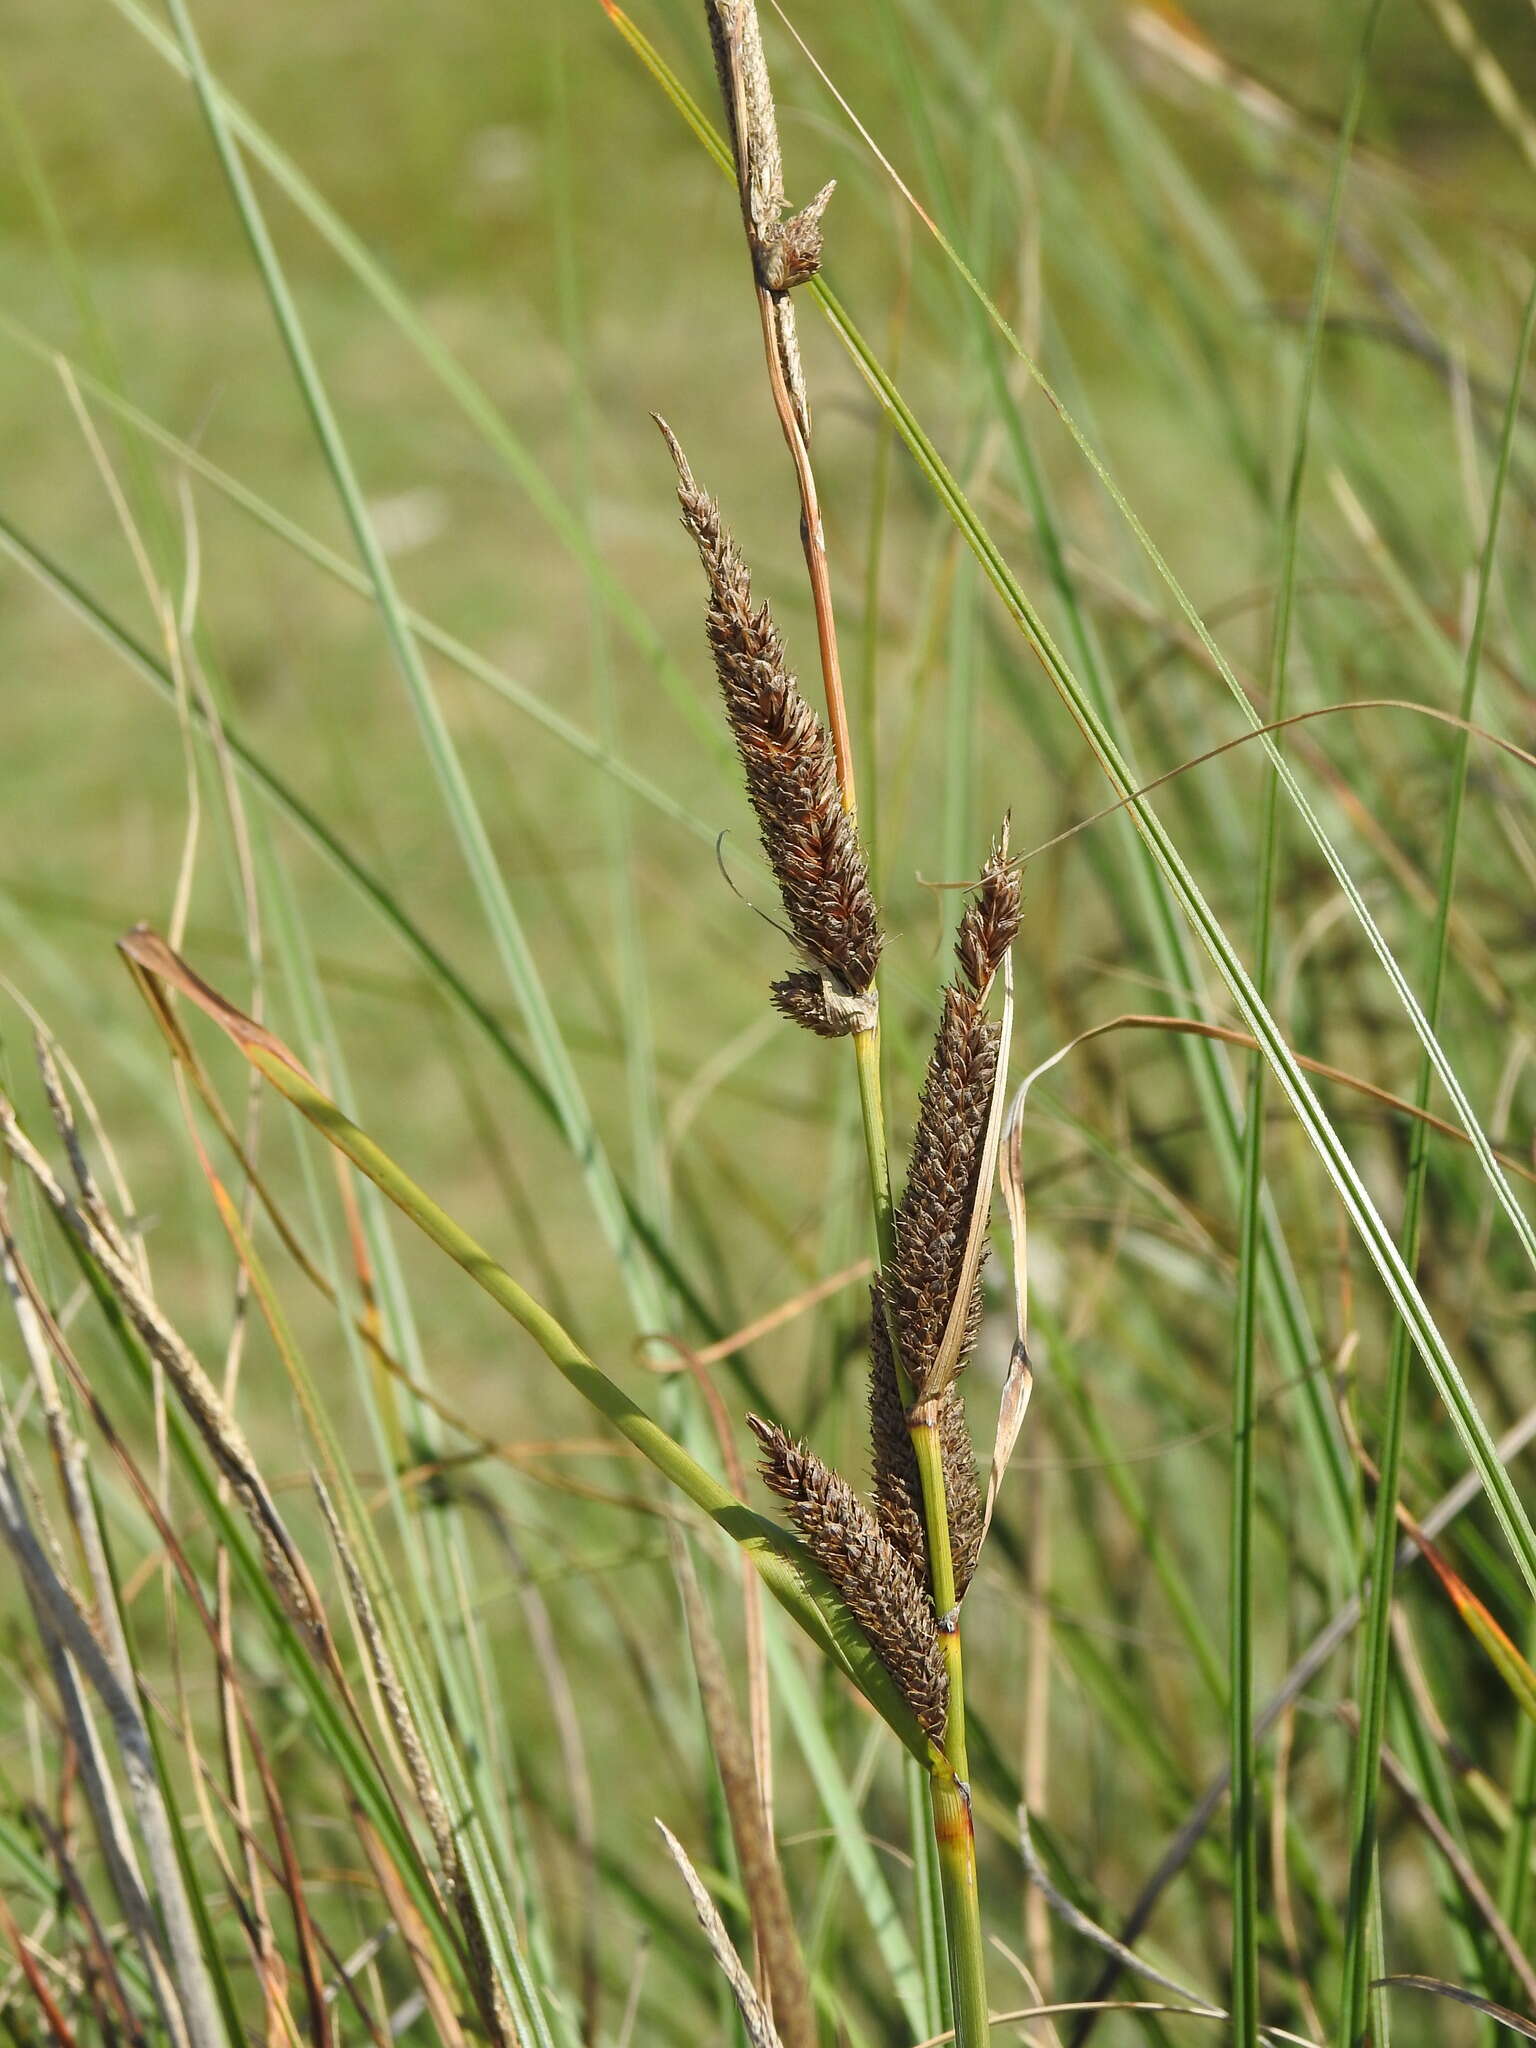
(792, 254)
(822, 1004)
(791, 777)
(897, 1489)
(962, 1488)
(898, 1494)
(882, 1590)
(801, 997)
(990, 921)
(933, 1218)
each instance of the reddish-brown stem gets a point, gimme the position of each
(812, 535)
(813, 540)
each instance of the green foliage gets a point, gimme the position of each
(1179, 402)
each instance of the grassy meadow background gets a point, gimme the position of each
(1145, 199)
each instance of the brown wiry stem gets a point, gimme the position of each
(781, 353)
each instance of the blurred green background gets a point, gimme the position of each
(1146, 208)
(518, 177)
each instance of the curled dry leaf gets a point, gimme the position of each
(1021, 1378)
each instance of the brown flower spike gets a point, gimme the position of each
(882, 1590)
(933, 1219)
(791, 778)
(898, 1492)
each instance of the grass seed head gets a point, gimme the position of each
(990, 921)
(896, 1485)
(933, 1218)
(786, 752)
(882, 1590)
(962, 1488)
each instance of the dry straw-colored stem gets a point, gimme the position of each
(220, 1432)
(784, 254)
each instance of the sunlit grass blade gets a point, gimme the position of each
(594, 752)
(506, 927)
(787, 1571)
(470, 397)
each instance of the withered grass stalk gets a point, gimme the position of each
(784, 254)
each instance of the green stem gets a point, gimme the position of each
(866, 1054)
(955, 1835)
(923, 1423)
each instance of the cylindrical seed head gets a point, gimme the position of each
(791, 775)
(896, 1485)
(883, 1592)
(933, 1218)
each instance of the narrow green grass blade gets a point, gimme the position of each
(787, 1570)
(1246, 1992)
(471, 399)
(505, 925)
(1376, 1642)
(1515, 1872)
(595, 752)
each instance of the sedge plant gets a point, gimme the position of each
(906, 1565)
(279, 1767)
